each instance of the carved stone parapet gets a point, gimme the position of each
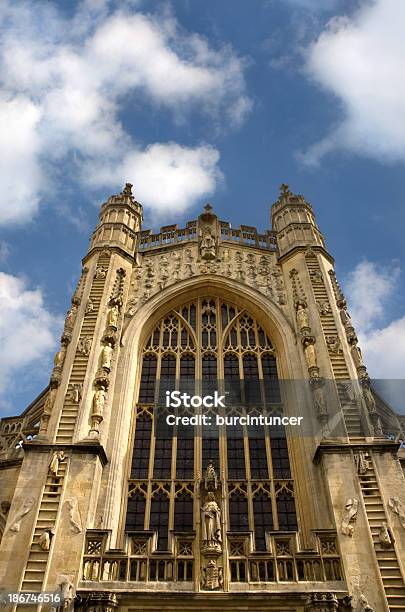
(322, 602)
(101, 602)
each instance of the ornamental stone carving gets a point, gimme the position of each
(84, 345)
(210, 478)
(26, 507)
(350, 516)
(322, 602)
(74, 514)
(212, 577)
(398, 509)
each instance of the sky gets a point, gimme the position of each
(192, 102)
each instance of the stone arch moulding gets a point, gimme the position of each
(269, 315)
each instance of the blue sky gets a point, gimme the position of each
(194, 102)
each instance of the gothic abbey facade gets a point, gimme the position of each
(99, 504)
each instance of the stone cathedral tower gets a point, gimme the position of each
(99, 504)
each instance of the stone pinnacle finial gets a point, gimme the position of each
(284, 190)
(127, 189)
(208, 208)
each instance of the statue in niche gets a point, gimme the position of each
(351, 507)
(211, 524)
(385, 536)
(57, 457)
(345, 317)
(26, 508)
(74, 514)
(357, 356)
(302, 315)
(106, 356)
(212, 576)
(210, 478)
(319, 398)
(98, 403)
(112, 316)
(60, 357)
(310, 354)
(71, 316)
(368, 394)
(208, 245)
(334, 344)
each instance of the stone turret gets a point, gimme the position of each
(293, 219)
(120, 223)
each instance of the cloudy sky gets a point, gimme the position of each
(195, 101)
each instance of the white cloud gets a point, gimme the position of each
(173, 177)
(361, 61)
(369, 288)
(27, 332)
(65, 85)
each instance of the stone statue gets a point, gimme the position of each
(100, 273)
(106, 356)
(76, 392)
(385, 536)
(310, 355)
(60, 356)
(302, 315)
(26, 507)
(89, 306)
(362, 464)
(345, 317)
(74, 514)
(368, 395)
(398, 509)
(67, 591)
(112, 316)
(351, 507)
(98, 403)
(57, 457)
(211, 524)
(357, 356)
(208, 245)
(334, 344)
(84, 345)
(71, 317)
(44, 540)
(319, 400)
(323, 307)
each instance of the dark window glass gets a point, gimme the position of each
(148, 380)
(163, 457)
(287, 518)
(209, 374)
(232, 379)
(185, 453)
(236, 453)
(279, 453)
(183, 512)
(140, 454)
(238, 512)
(251, 379)
(210, 448)
(270, 379)
(159, 518)
(263, 518)
(135, 512)
(258, 456)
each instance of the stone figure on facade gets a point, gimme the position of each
(48, 407)
(106, 356)
(334, 344)
(310, 352)
(100, 273)
(44, 539)
(112, 316)
(71, 317)
(208, 245)
(362, 463)
(27, 506)
(75, 392)
(302, 315)
(84, 345)
(350, 516)
(74, 514)
(60, 357)
(318, 393)
(357, 356)
(397, 508)
(89, 306)
(57, 458)
(67, 590)
(385, 536)
(211, 524)
(323, 307)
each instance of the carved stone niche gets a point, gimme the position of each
(211, 527)
(208, 234)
